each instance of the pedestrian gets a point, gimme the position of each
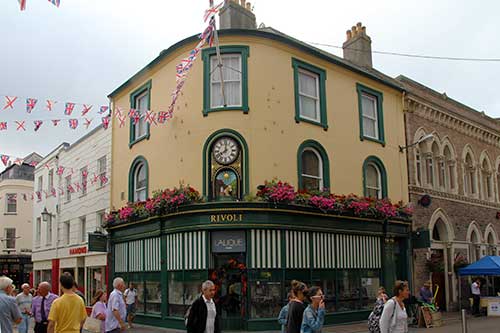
(476, 296)
(131, 301)
(67, 314)
(374, 318)
(41, 306)
(426, 293)
(283, 315)
(24, 301)
(116, 311)
(203, 316)
(314, 314)
(394, 318)
(99, 308)
(296, 307)
(9, 311)
(78, 292)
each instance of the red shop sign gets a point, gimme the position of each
(78, 250)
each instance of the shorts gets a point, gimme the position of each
(131, 309)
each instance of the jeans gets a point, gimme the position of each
(475, 306)
(24, 324)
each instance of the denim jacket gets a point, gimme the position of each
(312, 322)
(283, 318)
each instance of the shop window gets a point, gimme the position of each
(374, 178)
(138, 180)
(310, 96)
(153, 295)
(349, 290)
(371, 120)
(234, 79)
(370, 282)
(313, 166)
(96, 280)
(139, 285)
(140, 101)
(183, 289)
(266, 298)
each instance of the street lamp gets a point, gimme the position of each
(45, 215)
(419, 141)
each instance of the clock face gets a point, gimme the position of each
(225, 151)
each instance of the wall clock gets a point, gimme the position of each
(225, 150)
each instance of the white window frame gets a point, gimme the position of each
(136, 175)
(50, 182)
(142, 120)
(100, 219)
(7, 203)
(83, 229)
(7, 238)
(38, 231)
(67, 232)
(82, 179)
(102, 165)
(374, 100)
(316, 77)
(320, 166)
(68, 192)
(49, 231)
(379, 180)
(40, 184)
(212, 71)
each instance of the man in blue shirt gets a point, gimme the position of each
(9, 312)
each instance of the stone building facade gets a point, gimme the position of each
(454, 185)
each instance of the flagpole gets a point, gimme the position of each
(219, 64)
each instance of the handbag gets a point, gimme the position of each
(92, 325)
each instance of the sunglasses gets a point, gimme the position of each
(318, 296)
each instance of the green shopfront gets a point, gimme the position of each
(252, 251)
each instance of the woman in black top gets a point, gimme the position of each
(296, 307)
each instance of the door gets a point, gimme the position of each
(228, 276)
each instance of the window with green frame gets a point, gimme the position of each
(313, 167)
(140, 101)
(374, 178)
(310, 93)
(234, 96)
(138, 180)
(371, 115)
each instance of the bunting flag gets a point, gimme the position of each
(60, 170)
(9, 102)
(30, 104)
(103, 109)
(87, 122)
(150, 117)
(122, 121)
(212, 11)
(19, 161)
(118, 112)
(56, 121)
(73, 123)
(104, 179)
(68, 109)
(38, 195)
(208, 34)
(22, 4)
(53, 192)
(105, 122)
(38, 124)
(3, 126)
(34, 164)
(55, 2)
(86, 109)
(135, 116)
(78, 187)
(5, 159)
(61, 190)
(71, 189)
(50, 105)
(20, 125)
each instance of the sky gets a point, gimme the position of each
(84, 49)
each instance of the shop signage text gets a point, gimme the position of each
(218, 218)
(78, 250)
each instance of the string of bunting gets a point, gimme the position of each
(22, 3)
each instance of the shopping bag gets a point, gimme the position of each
(92, 325)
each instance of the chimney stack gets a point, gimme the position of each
(358, 46)
(237, 14)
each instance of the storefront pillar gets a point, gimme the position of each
(388, 260)
(55, 276)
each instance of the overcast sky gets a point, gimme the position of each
(83, 50)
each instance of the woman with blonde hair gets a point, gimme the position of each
(99, 308)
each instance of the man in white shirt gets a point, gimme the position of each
(476, 295)
(131, 301)
(116, 311)
(24, 301)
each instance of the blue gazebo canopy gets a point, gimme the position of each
(489, 265)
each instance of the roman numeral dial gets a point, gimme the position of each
(225, 150)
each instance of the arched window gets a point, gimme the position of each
(439, 232)
(475, 247)
(486, 180)
(138, 180)
(450, 168)
(469, 176)
(491, 244)
(498, 181)
(418, 165)
(313, 167)
(374, 178)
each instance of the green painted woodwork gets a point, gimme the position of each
(131, 180)
(325, 162)
(244, 51)
(383, 175)
(274, 36)
(133, 96)
(207, 159)
(298, 64)
(361, 89)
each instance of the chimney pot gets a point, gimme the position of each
(348, 34)
(357, 48)
(237, 14)
(249, 6)
(243, 3)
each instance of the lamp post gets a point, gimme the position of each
(419, 141)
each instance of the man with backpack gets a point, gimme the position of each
(202, 315)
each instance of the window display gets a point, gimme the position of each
(325, 279)
(265, 299)
(153, 297)
(370, 282)
(183, 289)
(95, 281)
(349, 290)
(139, 285)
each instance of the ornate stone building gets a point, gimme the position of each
(454, 184)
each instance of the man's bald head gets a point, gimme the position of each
(44, 288)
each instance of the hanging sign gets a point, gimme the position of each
(97, 242)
